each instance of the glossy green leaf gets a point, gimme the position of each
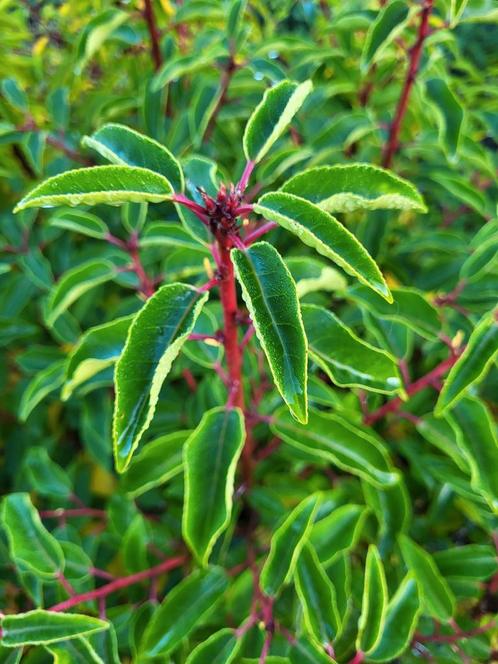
(319, 230)
(98, 348)
(167, 234)
(392, 507)
(272, 116)
(270, 295)
(286, 545)
(317, 596)
(156, 463)
(187, 64)
(476, 436)
(220, 648)
(400, 623)
(450, 113)
(305, 651)
(340, 442)
(14, 94)
(374, 603)
(475, 561)
(312, 274)
(346, 359)
(80, 222)
(184, 607)
(440, 433)
(338, 531)
(126, 147)
(30, 543)
(200, 175)
(38, 626)
(481, 261)
(45, 382)
(436, 595)
(471, 367)
(389, 22)
(9, 655)
(45, 476)
(210, 460)
(349, 187)
(75, 651)
(113, 185)
(154, 340)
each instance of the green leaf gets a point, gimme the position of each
(98, 348)
(80, 222)
(167, 234)
(286, 545)
(181, 65)
(472, 365)
(126, 147)
(30, 543)
(220, 648)
(436, 595)
(9, 655)
(270, 295)
(339, 531)
(349, 187)
(339, 442)
(400, 623)
(210, 460)
(450, 113)
(75, 283)
(182, 610)
(45, 476)
(305, 651)
(38, 626)
(156, 463)
(319, 230)
(154, 340)
(474, 561)
(272, 116)
(14, 94)
(481, 261)
(346, 359)
(75, 651)
(374, 603)
(390, 21)
(317, 596)
(476, 437)
(113, 185)
(45, 382)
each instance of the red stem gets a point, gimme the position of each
(415, 56)
(120, 583)
(78, 511)
(458, 636)
(258, 232)
(154, 34)
(249, 167)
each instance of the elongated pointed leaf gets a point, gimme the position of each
(475, 561)
(270, 295)
(154, 340)
(75, 283)
(46, 476)
(30, 543)
(317, 596)
(220, 648)
(112, 185)
(400, 623)
(167, 234)
(321, 231)
(286, 545)
(374, 603)
(472, 365)
(80, 222)
(339, 442)
(45, 382)
(349, 187)
(388, 23)
(158, 461)
(450, 113)
(127, 147)
(306, 651)
(184, 607)
(348, 360)
(38, 626)
(272, 117)
(436, 595)
(210, 459)
(75, 651)
(338, 531)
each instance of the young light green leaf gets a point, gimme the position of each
(220, 648)
(45, 382)
(30, 543)
(346, 359)
(317, 596)
(126, 147)
(75, 283)
(154, 340)
(112, 185)
(184, 607)
(272, 116)
(389, 22)
(319, 230)
(75, 651)
(45, 476)
(436, 595)
(99, 348)
(210, 459)
(270, 295)
(400, 623)
(286, 545)
(38, 626)
(450, 113)
(472, 365)
(475, 561)
(374, 603)
(156, 463)
(339, 442)
(338, 531)
(80, 222)
(349, 187)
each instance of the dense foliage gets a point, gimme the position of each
(248, 330)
